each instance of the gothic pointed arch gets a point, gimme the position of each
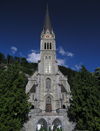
(48, 83)
(48, 104)
(50, 45)
(48, 100)
(57, 123)
(42, 124)
(45, 45)
(48, 95)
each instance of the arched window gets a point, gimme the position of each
(57, 123)
(62, 96)
(46, 64)
(33, 97)
(47, 45)
(48, 100)
(32, 107)
(50, 46)
(48, 104)
(48, 83)
(49, 57)
(42, 124)
(44, 45)
(64, 106)
(49, 64)
(49, 67)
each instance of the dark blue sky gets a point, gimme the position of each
(76, 24)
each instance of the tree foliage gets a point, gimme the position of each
(68, 72)
(85, 102)
(2, 57)
(28, 68)
(85, 88)
(96, 74)
(13, 99)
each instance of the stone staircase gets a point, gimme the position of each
(47, 114)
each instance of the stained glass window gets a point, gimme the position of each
(48, 83)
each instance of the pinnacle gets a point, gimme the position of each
(47, 22)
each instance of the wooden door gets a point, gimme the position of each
(48, 108)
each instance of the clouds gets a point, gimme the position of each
(77, 67)
(33, 57)
(34, 51)
(13, 49)
(62, 62)
(62, 52)
(21, 54)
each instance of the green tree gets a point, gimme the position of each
(85, 102)
(1, 58)
(97, 74)
(13, 99)
(9, 58)
(24, 62)
(68, 72)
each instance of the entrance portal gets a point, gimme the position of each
(56, 124)
(48, 105)
(42, 124)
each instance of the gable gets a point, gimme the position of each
(33, 89)
(63, 88)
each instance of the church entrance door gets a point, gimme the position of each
(48, 104)
(48, 108)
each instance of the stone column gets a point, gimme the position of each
(56, 67)
(48, 124)
(60, 103)
(59, 90)
(37, 90)
(36, 103)
(39, 66)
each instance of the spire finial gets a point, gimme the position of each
(47, 6)
(47, 22)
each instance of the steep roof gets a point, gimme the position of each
(33, 89)
(47, 22)
(63, 88)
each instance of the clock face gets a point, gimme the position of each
(47, 36)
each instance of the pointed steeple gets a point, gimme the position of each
(47, 22)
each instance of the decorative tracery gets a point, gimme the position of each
(48, 100)
(48, 83)
(48, 64)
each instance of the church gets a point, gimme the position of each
(48, 88)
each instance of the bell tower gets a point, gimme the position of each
(48, 88)
(47, 47)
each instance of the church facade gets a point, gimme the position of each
(48, 88)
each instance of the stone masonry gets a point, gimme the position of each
(48, 88)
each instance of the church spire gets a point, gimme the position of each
(47, 22)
